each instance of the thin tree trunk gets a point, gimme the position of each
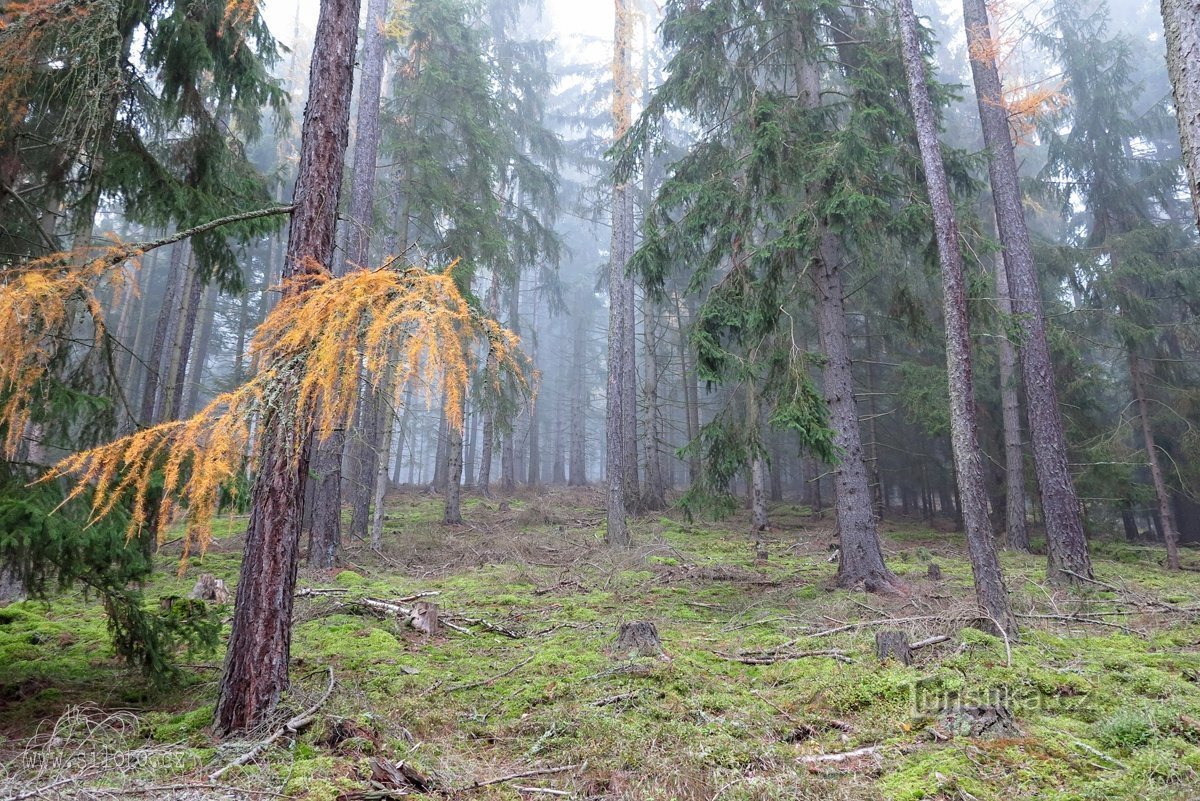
(508, 465)
(162, 329)
(256, 661)
(185, 328)
(533, 468)
(758, 463)
(208, 308)
(454, 454)
(620, 436)
(577, 458)
(358, 451)
(990, 592)
(1065, 540)
(1181, 23)
(491, 369)
(1017, 528)
(381, 470)
(655, 495)
(1166, 514)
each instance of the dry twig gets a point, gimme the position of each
(292, 726)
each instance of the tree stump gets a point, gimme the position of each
(639, 638)
(893, 644)
(989, 720)
(11, 587)
(934, 572)
(210, 588)
(424, 618)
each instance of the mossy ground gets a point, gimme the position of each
(1101, 712)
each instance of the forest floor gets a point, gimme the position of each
(1101, 695)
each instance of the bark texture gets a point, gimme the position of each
(1066, 544)
(256, 663)
(1181, 24)
(990, 592)
(861, 556)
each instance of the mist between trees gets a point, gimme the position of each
(885, 266)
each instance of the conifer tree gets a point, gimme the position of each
(1066, 545)
(784, 186)
(990, 591)
(1105, 162)
(256, 662)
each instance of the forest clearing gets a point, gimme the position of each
(746, 702)
(707, 399)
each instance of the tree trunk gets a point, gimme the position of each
(655, 496)
(208, 308)
(860, 554)
(577, 459)
(381, 476)
(533, 471)
(162, 330)
(1017, 526)
(359, 451)
(1181, 23)
(758, 462)
(508, 477)
(1066, 544)
(620, 436)
(185, 329)
(1166, 514)
(256, 662)
(489, 409)
(454, 453)
(990, 592)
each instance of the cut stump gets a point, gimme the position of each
(934, 572)
(893, 644)
(210, 588)
(638, 638)
(424, 618)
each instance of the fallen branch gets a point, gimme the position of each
(817, 758)
(614, 699)
(771, 657)
(292, 726)
(1101, 754)
(868, 623)
(542, 790)
(1079, 619)
(170, 788)
(912, 646)
(36, 792)
(523, 775)
(482, 682)
(487, 624)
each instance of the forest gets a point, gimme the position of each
(649, 401)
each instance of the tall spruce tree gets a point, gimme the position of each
(990, 591)
(788, 185)
(1102, 157)
(474, 159)
(1066, 544)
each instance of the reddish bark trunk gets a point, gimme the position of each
(256, 663)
